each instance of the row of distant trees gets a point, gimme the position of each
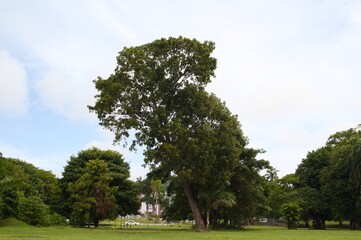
(95, 185)
(28, 193)
(325, 186)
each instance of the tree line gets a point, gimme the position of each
(94, 186)
(326, 184)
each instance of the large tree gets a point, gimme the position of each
(157, 91)
(311, 188)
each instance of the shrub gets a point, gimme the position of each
(34, 211)
(292, 213)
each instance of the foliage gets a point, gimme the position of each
(279, 192)
(235, 201)
(28, 193)
(91, 196)
(178, 207)
(33, 211)
(271, 174)
(158, 191)
(310, 170)
(329, 180)
(292, 213)
(127, 194)
(9, 199)
(337, 178)
(313, 199)
(247, 185)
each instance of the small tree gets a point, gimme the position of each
(292, 212)
(33, 211)
(158, 190)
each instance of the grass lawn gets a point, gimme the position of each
(173, 233)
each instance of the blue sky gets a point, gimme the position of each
(290, 70)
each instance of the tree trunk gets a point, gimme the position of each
(192, 203)
(207, 218)
(307, 224)
(319, 224)
(352, 224)
(96, 222)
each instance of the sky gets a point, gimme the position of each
(290, 70)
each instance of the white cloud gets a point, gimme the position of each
(66, 93)
(74, 47)
(106, 16)
(13, 85)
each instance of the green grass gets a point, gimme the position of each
(173, 233)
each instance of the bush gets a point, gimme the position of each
(292, 212)
(33, 211)
(57, 220)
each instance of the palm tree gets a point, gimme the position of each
(157, 189)
(271, 174)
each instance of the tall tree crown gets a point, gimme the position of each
(142, 93)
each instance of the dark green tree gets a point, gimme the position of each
(92, 199)
(9, 197)
(247, 185)
(292, 213)
(315, 204)
(278, 193)
(329, 183)
(157, 90)
(28, 193)
(127, 194)
(338, 177)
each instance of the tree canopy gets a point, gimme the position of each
(28, 193)
(126, 194)
(92, 198)
(329, 186)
